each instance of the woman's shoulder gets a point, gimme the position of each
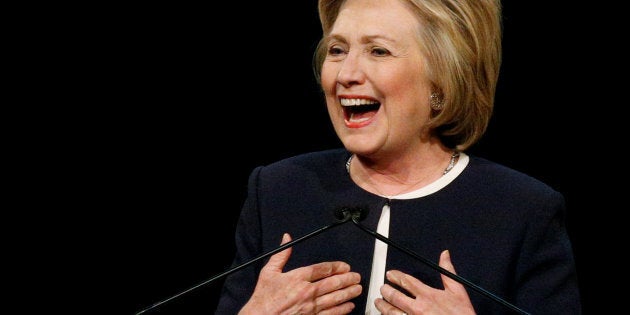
(324, 168)
(323, 158)
(489, 173)
(323, 163)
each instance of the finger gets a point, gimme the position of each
(326, 269)
(337, 282)
(338, 297)
(277, 261)
(395, 296)
(410, 284)
(385, 307)
(344, 308)
(450, 284)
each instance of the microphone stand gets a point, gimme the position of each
(355, 220)
(343, 215)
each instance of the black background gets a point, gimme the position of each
(180, 102)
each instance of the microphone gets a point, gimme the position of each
(355, 216)
(343, 215)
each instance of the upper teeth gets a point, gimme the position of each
(356, 101)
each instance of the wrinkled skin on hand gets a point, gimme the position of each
(323, 288)
(426, 300)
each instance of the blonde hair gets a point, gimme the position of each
(461, 42)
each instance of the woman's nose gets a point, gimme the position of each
(351, 72)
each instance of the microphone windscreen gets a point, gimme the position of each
(343, 213)
(360, 213)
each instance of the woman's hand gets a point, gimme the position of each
(452, 300)
(323, 288)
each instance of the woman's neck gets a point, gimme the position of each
(394, 177)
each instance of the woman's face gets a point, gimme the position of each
(374, 79)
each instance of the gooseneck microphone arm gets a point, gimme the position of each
(355, 220)
(342, 215)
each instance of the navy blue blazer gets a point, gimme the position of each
(505, 231)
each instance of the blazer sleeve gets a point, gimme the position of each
(546, 269)
(239, 286)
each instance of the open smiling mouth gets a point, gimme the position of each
(359, 110)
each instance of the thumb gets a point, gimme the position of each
(278, 260)
(450, 284)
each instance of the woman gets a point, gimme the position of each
(409, 86)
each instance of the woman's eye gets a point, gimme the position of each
(377, 51)
(335, 51)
